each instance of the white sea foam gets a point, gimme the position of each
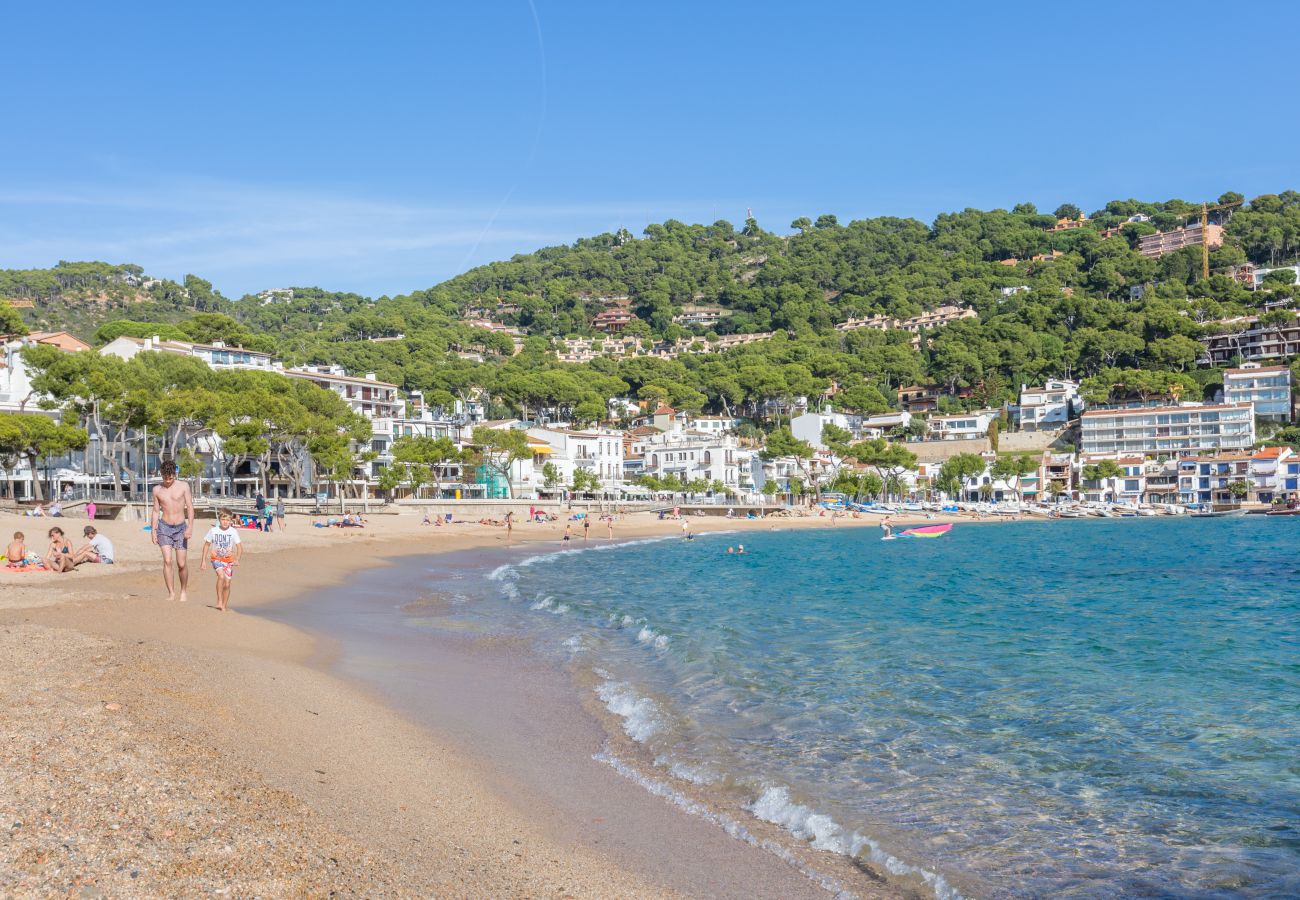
(543, 603)
(641, 715)
(695, 774)
(574, 643)
(628, 621)
(823, 833)
(648, 635)
(726, 823)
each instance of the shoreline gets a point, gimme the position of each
(181, 677)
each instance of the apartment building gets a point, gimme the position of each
(1267, 387)
(1169, 430)
(368, 396)
(1211, 480)
(1244, 338)
(215, 355)
(1162, 242)
(935, 318)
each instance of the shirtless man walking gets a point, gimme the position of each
(171, 524)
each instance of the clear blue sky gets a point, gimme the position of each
(384, 147)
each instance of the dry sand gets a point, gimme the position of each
(153, 748)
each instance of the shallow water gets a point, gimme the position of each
(1068, 708)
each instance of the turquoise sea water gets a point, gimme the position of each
(1038, 709)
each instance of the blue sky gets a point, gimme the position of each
(384, 147)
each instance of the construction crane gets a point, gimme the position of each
(1205, 234)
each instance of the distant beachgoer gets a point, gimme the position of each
(279, 512)
(37, 513)
(270, 514)
(426, 521)
(686, 527)
(16, 552)
(586, 527)
(98, 549)
(887, 527)
(171, 524)
(568, 529)
(91, 510)
(223, 547)
(510, 525)
(59, 557)
(609, 527)
(731, 549)
(740, 550)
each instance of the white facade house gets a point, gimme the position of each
(966, 426)
(1053, 403)
(713, 424)
(808, 427)
(1169, 430)
(15, 382)
(687, 455)
(598, 452)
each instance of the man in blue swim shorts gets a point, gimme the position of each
(171, 524)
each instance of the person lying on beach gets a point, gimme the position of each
(59, 558)
(98, 549)
(222, 547)
(426, 520)
(16, 552)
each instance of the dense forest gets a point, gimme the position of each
(1077, 302)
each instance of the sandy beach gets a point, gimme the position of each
(157, 748)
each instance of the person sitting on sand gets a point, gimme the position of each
(98, 549)
(59, 558)
(223, 547)
(16, 552)
(426, 518)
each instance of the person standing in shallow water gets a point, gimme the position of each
(171, 525)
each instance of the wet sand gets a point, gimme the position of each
(154, 747)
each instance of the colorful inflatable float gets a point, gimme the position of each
(927, 531)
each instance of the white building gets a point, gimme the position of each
(1169, 430)
(1267, 387)
(598, 452)
(687, 455)
(713, 424)
(368, 396)
(1054, 403)
(1257, 275)
(966, 426)
(808, 427)
(215, 355)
